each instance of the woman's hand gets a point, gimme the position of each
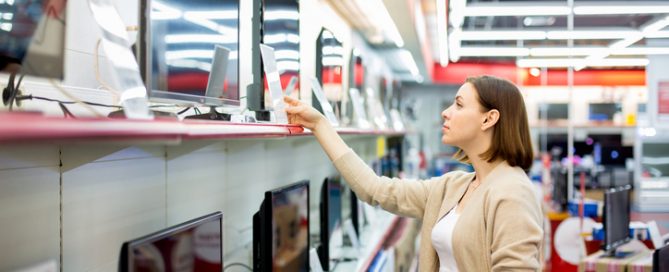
(303, 115)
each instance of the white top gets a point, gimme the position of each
(442, 241)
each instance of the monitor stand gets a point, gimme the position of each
(162, 114)
(263, 115)
(211, 115)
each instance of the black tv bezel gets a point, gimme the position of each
(145, 59)
(610, 246)
(319, 71)
(124, 260)
(255, 92)
(262, 228)
(323, 248)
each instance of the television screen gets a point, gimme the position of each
(281, 230)
(281, 31)
(329, 66)
(603, 111)
(554, 111)
(616, 217)
(351, 208)
(179, 41)
(195, 245)
(616, 155)
(32, 37)
(331, 235)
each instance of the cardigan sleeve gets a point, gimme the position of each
(402, 197)
(516, 231)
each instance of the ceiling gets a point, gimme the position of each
(528, 31)
(590, 34)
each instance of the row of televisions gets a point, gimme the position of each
(281, 236)
(177, 52)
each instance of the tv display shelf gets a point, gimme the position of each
(35, 127)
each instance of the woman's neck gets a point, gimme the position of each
(482, 167)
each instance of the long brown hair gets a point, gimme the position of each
(511, 137)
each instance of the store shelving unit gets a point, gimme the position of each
(32, 127)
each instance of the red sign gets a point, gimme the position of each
(663, 97)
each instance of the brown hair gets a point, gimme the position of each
(511, 137)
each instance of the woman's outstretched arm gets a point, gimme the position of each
(402, 197)
(308, 117)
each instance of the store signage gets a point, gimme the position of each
(663, 98)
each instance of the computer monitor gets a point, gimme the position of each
(281, 230)
(177, 51)
(331, 235)
(616, 218)
(329, 67)
(32, 37)
(195, 245)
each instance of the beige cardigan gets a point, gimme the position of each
(499, 229)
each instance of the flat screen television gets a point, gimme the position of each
(616, 218)
(195, 245)
(603, 111)
(329, 67)
(177, 46)
(351, 208)
(32, 37)
(32, 42)
(279, 28)
(356, 72)
(554, 111)
(281, 230)
(331, 235)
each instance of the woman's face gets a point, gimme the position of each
(463, 119)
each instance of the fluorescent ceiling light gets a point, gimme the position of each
(333, 50)
(493, 52)
(333, 61)
(528, 63)
(408, 61)
(590, 34)
(287, 54)
(214, 14)
(641, 51)
(275, 15)
(632, 8)
(442, 35)
(225, 30)
(287, 65)
(456, 16)
(384, 24)
(564, 51)
(454, 44)
(501, 35)
(281, 38)
(658, 35)
(200, 38)
(189, 54)
(515, 10)
(655, 26)
(161, 11)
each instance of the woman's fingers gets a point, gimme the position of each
(291, 101)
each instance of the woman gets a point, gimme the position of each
(489, 220)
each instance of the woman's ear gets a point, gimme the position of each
(491, 118)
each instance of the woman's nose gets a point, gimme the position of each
(444, 114)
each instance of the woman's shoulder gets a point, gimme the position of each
(457, 177)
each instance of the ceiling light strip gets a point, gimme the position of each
(442, 34)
